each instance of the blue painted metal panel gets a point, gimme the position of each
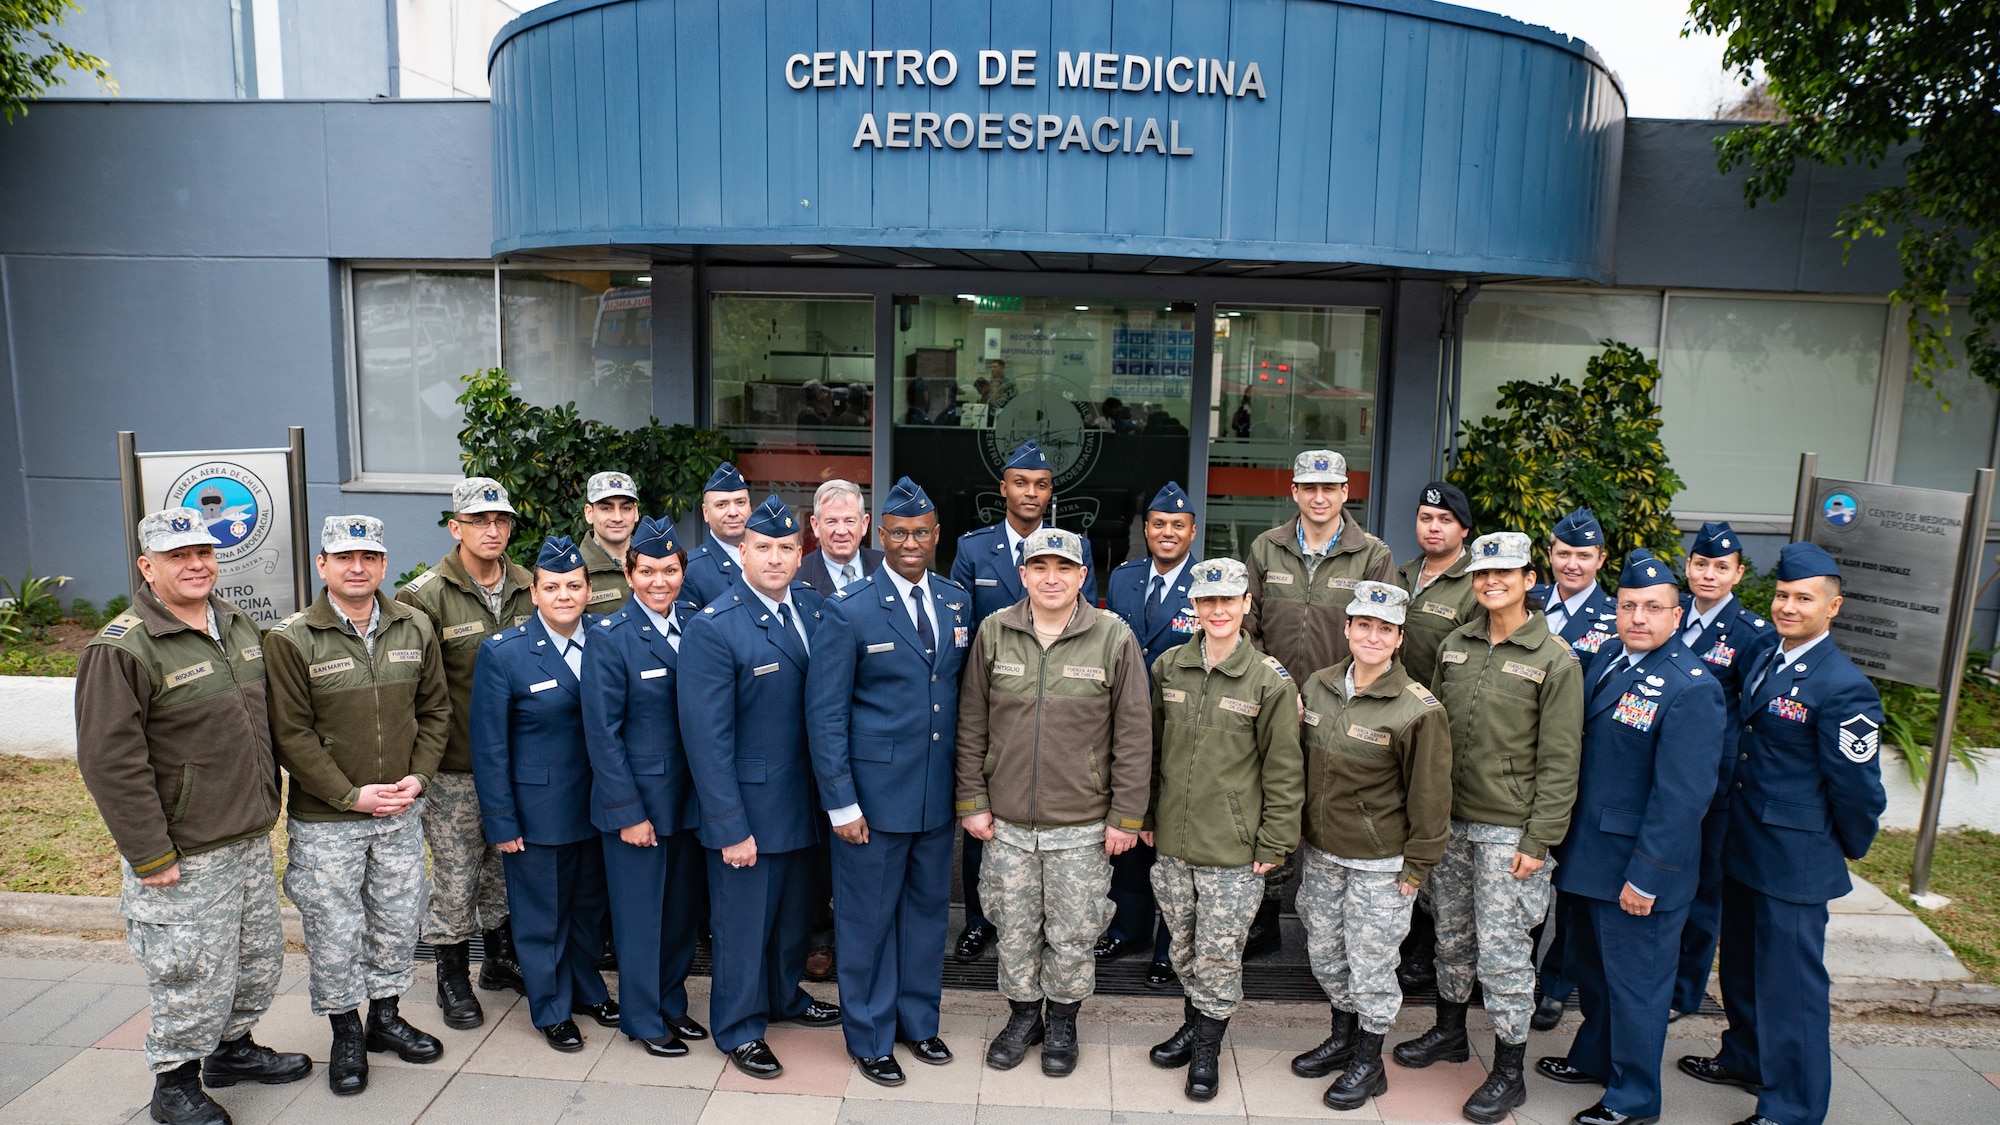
(1392, 132)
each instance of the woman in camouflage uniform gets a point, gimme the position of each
(1378, 807)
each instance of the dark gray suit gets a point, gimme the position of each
(813, 570)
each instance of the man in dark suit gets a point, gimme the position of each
(715, 565)
(891, 644)
(1728, 638)
(988, 564)
(1652, 731)
(1807, 797)
(1151, 595)
(839, 522)
(533, 779)
(743, 664)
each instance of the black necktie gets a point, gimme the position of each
(1617, 666)
(1017, 552)
(924, 631)
(791, 634)
(1155, 599)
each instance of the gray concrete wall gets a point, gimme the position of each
(154, 48)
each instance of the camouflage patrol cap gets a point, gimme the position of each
(340, 534)
(1218, 578)
(1053, 541)
(479, 494)
(1319, 466)
(603, 486)
(1379, 599)
(173, 528)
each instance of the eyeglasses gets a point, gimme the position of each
(485, 522)
(902, 535)
(1644, 609)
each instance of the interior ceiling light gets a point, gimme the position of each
(813, 255)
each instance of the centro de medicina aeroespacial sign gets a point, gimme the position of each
(1083, 70)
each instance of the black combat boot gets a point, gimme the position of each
(1332, 1054)
(455, 997)
(389, 1031)
(178, 1098)
(1446, 1042)
(1364, 1078)
(1205, 1066)
(1175, 1052)
(1059, 1043)
(1024, 1029)
(347, 1063)
(1505, 1086)
(1266, 934)
(240, 1060)
(502, 967)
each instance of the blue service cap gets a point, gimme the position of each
(772, 518)
(1805, 560)
(655, 538)
(725, 478)
(1579, 529)
(907, 499)
(1171, 499)
(1028, 455)
(559, 556)
(1642, 569)
(1715, 540)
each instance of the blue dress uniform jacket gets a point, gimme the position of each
(985, 567)
(882, 717)
(657, 894)
(1807, 795)
(1592, 626)
(1651, 735)
(710, 573)
(533, 777)
(742, 679)
(1173, 624)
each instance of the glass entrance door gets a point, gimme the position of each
(1105, 386)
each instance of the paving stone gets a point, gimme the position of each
(92, 1088)
(111, 972)
(16, 991)
(864, 1112)
(393, 1095)
(1982, 1060)
(1139, 1087)
(493, 1099)
(34, 968)
(72, 1013)
(625, 1061)
(815, 1060)
(1898, 1058)
(956, 1082)
(1855, 1101)
(130, 1035)
(23, 1065)
(602, 1103)
(1089, 1087)
(1023, 1115)
(1270, 1089)
(252, 1103)
(729, 1107)
(516, 1050)
(1962, 1097)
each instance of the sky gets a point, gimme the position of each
(1663, 74)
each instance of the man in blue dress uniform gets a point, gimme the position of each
(988, 564)
(715, 566)
(1807, 796)
(1151, 595)
(533, 779)
(882, 719)
(642, 798)
(1652, 728)
(743, 664)
(1728, 638)
(1583, 615)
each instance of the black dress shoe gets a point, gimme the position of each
(1712, 1071)
(1548, 1013)
(686, 1028)
(1160, 974)
(1599, 1114)
(667, 1046)
(973, 940)
(1558, 1070)
(883, 1071)
(1756, 1119)
(1110, 948)
(817, 1014)
(756, 1060)
(606, 1014)
(932, 1050)
(564, 1036)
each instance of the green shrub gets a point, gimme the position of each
(544, 455)
(34, 662)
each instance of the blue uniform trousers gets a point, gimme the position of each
(1704, 923)
(556, 907)
(761, 919)
(975, 915)
(1556, 981)
(1132, 894)
(1774, 987)
(891, 903)
(1624, 972)
(656, 905)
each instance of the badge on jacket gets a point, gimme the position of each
(1785, 707)
(1591, 641)
(1636, 712)
(1722, 656)
(1860, 738)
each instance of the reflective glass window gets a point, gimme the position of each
(416, 334)
(1513, 334)
(581, 336)
(793, 385)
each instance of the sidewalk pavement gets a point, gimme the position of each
(73, 1016)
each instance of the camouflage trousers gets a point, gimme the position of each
(359, 887)
(212, 948)
(1483, 917)
(468, 890)
(1048, 896)
(1355, 923)
(1208, 911)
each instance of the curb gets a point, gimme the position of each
(28, 910)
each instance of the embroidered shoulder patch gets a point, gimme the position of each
(1277, 667)
(1860, 738)
(422, 580)
(1367, 734)
(1423, 694)
(1515, 668)
(120, 625)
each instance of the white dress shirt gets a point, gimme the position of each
(843, 574)
(791, 607)
(570, 648)
(1566, 608)
(668, 629)
(1701, 621)
(917, 596)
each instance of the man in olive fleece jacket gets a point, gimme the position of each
(359, 718)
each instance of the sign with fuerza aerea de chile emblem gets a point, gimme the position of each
(1898, 553)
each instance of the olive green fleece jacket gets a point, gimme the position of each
(171, 733)
(342, 718)
(1378, 769)
(1516, 713)
(460, 618)
(1227, 777)
(1055, 737)
(608, 588)
(1434, 612)
(1303, 621)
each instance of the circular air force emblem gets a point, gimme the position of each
(234, 504)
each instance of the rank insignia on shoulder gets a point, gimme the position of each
(1277, 667)
(120, 625)
(1860, 738)
(1421, 693)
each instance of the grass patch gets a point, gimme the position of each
(1965, 868)
(51, 838)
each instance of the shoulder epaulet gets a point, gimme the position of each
(1130, 562)
(420, 581)
(938, 580)
(288, 622)
(1422, 693)
(119, 626)
(1272, 663)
